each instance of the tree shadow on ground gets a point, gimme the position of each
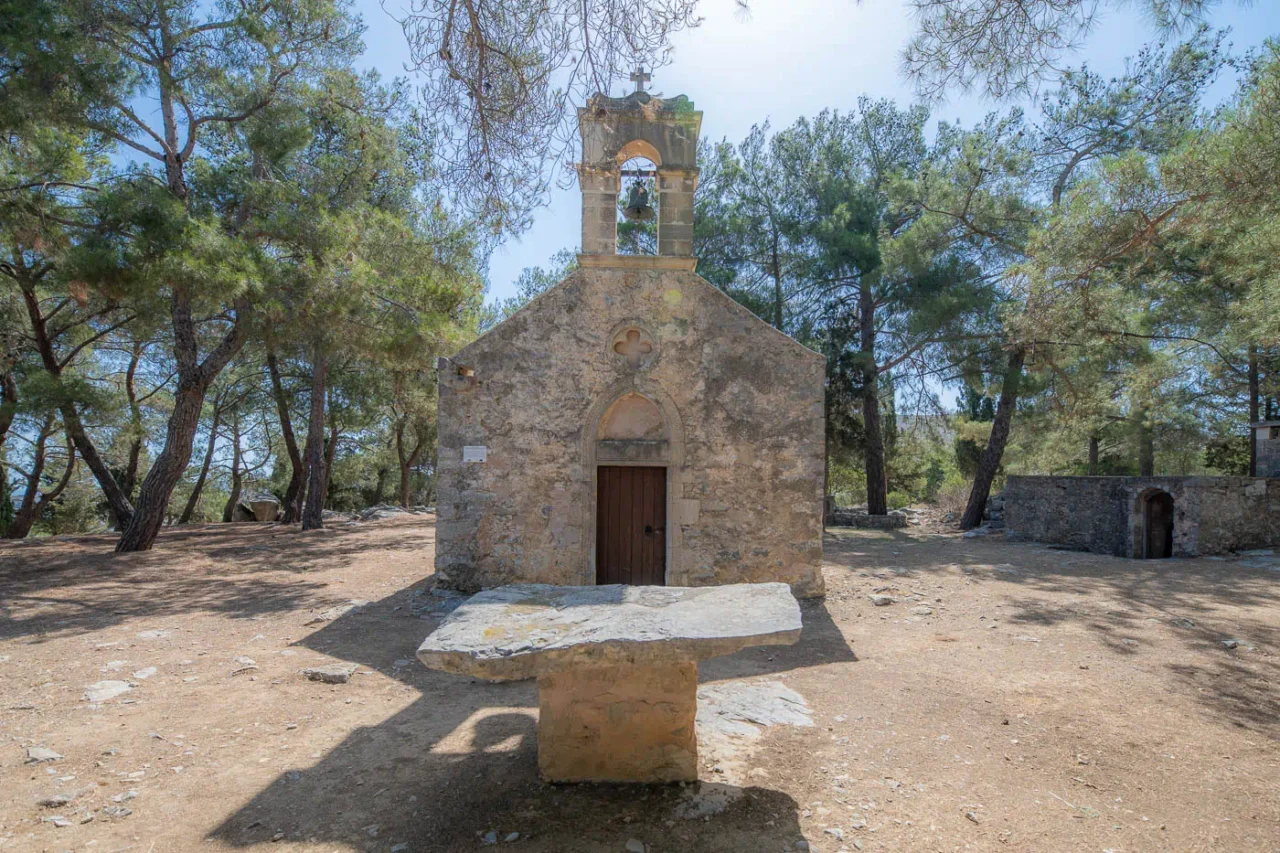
(51, 587)
(1126, 605)
(821, 643)
(1200, 604)
(439, 779)
(461, 761)
(851, 548)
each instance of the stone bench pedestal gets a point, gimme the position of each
(618, 724)
(616, 665)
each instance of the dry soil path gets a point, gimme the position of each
(1010, 697)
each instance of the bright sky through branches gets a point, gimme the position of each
(791, 58)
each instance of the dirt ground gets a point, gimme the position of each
(1013, 697)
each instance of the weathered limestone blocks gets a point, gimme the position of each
(616, 665)
(265, 509)
(742, 436)
(1212, 515)
(619, 724)
(599, 210)
(523, 630)
(860, 518)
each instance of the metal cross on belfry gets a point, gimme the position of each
(640, 77)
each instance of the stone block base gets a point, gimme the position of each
(618, 724)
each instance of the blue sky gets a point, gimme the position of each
(790, 58)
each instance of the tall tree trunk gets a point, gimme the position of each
(237, 476)
(8, 410)
(306, 478)
(194, 500)
(1146, 445)
(194, 377)
(405, 472)
(153, 498)
(989, 464)
(23, 519)
(828, 502)
(135, 421)
(1254, 408)
(21, 524)
(313, 512)
(121, 508)
(380, 485)
(402, 459)
(32, 506)
(408, 458)
(8, 404)
(297, 470)
(1093, 455)
(877, 487)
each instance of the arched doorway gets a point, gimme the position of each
(631, 496)
(634, 425)
(1157, 525)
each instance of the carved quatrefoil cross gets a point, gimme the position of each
(633, 345)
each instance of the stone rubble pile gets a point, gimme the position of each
(994, 514)
(858, 517)
(377, 512)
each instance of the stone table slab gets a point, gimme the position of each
(616, 665)
(523, 630)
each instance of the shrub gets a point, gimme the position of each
(79, 509)
(953, 496)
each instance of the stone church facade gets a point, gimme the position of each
(632, 424)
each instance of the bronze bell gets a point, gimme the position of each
(638, 209)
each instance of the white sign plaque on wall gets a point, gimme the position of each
(474, 453)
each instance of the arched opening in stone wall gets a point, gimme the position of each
(631, 498)
(1155, 509)
(633, 426)
(638, 200)
(632, 417)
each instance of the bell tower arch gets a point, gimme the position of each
(663, 130)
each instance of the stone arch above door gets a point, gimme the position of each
(624, 402)
(632, 416)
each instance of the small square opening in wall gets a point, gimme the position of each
(1273, 434)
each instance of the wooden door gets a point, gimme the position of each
(631, 525)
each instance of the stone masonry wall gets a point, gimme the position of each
(1268, 454)
(744, 436)
(1212, 515)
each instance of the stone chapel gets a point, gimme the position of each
(632, 424)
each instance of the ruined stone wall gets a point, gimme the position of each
(743, 435)
(1212, 515)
